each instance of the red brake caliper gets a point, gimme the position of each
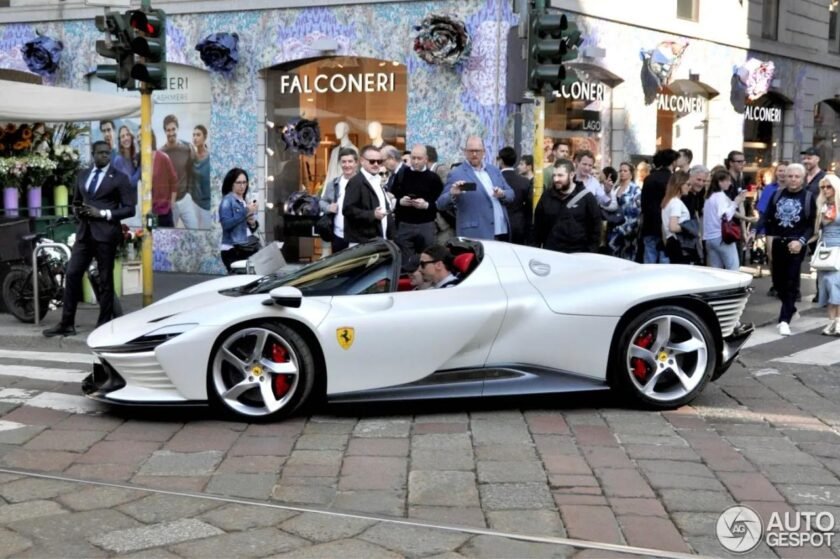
(640, 368)
(281, 383)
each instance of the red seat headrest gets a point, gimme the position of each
(404, 284)
(462, 262)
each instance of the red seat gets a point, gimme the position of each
(404, 284)
(463, 263)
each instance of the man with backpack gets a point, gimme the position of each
(567, 217)
(790, 220)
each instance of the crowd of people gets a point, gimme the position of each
(668, 211)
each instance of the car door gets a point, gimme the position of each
(389, 339)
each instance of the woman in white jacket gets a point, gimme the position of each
(717, 206)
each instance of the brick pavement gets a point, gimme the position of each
(604, 473)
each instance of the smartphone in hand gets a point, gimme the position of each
(468, 186)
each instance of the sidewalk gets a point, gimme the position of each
(14, 333)
(761, 310)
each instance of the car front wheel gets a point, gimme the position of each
(264, 371)
(666, 357)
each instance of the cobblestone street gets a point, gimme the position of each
(584, 468)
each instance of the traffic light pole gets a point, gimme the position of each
(539, 148)
(146, 192)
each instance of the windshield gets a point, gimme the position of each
(365, 268)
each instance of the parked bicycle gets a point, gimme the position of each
(17, 292)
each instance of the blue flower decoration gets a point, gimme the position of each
(220, 51)
(42, 55)
(302, 136)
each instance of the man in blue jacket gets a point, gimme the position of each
(478, 192)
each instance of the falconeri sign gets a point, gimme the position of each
(680, 103)
(369, 82)
(765, 114)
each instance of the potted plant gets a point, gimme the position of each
(39, 168)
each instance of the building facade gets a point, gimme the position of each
(759, 76)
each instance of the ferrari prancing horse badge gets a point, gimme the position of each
(345, 336)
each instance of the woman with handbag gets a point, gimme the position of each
(238, 219)
(623, 237)
(718, 211)
(828, 252)
(675, 216)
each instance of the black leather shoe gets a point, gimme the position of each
(60, 330)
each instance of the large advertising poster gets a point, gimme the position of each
(181, 190)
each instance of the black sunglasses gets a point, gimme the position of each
(423, 263)
(375, 161)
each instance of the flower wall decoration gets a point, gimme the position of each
(442, 39)
(302, 136)
(220, 52)
(750, 81)
(659, 65)
(42, 55)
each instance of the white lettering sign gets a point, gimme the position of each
(582, 90)
(766, 114)
(680, 103)
(338, 83)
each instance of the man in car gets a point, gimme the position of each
(436, 267)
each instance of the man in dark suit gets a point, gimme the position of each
(521, 210)
(368, 212)
(102, 198)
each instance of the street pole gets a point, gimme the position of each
(146, 191)
(539, 132)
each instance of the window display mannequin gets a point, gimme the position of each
(375, 134)
(342, 129)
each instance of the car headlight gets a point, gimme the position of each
(154, 338)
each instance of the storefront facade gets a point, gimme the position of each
(663, 90)
(353, 69)
(350, 64)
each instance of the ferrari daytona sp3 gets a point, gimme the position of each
(348, 328)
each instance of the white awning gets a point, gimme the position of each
(26, 102)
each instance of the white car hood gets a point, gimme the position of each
(188, 306)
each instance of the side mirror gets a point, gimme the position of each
(286, 296)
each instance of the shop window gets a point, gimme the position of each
(355, 101)
(688, 9)
(682, 116)
(763, 129)
(770, 19)
(826, 132)
(575, 115)
(833, 22)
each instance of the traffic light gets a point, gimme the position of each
(148, 44)
(552, 40)
(115, 46)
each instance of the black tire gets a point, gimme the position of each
(18, 297)
(236, 363)
(677, 373)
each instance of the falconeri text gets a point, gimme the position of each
(369, 82)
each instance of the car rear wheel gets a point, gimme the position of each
(667, 355)
(263, 371)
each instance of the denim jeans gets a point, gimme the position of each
(652, 252)
(722, 255)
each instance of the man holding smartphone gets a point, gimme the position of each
(415, 211)
(479, 193)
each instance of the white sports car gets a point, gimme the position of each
(521, 321)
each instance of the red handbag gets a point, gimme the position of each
(730, 231)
